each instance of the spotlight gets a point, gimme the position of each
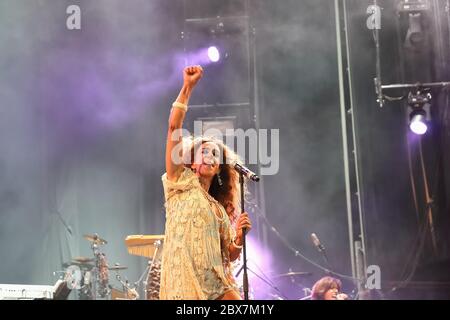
(417, 122)
(213, 54)
(415, 35)
(419, 103)
(415, 13)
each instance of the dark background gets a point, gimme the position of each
(83, 117)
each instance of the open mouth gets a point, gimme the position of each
(212, 164)
(208, 165)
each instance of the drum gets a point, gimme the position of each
(73, 277)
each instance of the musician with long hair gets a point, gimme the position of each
(203, 232)
(328, 288)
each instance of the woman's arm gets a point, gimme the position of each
(174, 163)
(235, 249)
(236, 246)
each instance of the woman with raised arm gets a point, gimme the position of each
(203, 233)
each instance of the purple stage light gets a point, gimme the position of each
(417, 123)
(259, 264)
(213, 54)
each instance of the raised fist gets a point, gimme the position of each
(192, 74)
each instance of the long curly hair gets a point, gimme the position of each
(227, 194)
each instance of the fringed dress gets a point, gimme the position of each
(195, 260)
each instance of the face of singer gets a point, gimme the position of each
(207, 160)
(331, 294)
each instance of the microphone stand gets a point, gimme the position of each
(325, 258)
(148, 269)
(137, 284)
(244, 244)
(270, 284)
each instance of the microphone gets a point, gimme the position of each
(317, 243)
(342, 296)
(245, 171)
(320, 248)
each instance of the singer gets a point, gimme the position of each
(203, 232)
(328, 288)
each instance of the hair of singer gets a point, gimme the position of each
(227, 194)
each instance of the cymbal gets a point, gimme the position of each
(95, 238)
(87, 266)
(117, 268)
(83, 259)
(291, 274)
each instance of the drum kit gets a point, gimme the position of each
(90, 277)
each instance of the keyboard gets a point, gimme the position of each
(144, 245)
(26, 292)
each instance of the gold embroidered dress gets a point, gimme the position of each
(195, 261)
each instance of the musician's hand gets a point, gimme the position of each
(243, 222)
(191, 75)
(341, 296)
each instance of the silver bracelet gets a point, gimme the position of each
(235, 245)
(180, 105)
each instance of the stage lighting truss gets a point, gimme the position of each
(223, 34)
(224, 125)
(415, 10)
(221, 45)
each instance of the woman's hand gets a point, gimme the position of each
(243, 222)
(191, 75)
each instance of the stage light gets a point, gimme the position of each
(419, 104)
(213, 54)
(415, 14)
(221, 45)
(415, 35)
(417, 122)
